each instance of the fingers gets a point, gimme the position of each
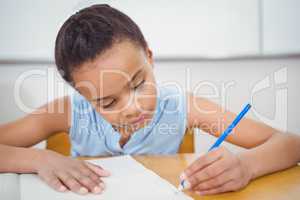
(72, 183)
(209, 172)
(88, 175)
(81, 180)
(87, 182)
(86, 171)
(227, 187)
(63, 173)
(201, 163)
(53, 182)
(214, 182)
(98, 170)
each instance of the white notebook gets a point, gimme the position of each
(130, 180)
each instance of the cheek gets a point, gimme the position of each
(110, 117)
(147, 99)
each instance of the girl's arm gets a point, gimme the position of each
(19, 160)
(269, 150)
(28, 131)
(279, 152)
(37, 126)
(59, 172)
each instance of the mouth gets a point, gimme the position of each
(136, 122)
(139, 120)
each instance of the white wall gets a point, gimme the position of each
(29, 28)
(204, 28)
(207, 28)
(281, 26)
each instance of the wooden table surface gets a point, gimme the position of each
(283, 185)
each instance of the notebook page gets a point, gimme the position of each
(129, 180)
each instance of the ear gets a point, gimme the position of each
(149, 56)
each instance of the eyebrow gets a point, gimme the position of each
(110, 96)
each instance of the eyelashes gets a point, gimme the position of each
(140, 84)
(110, 104)
(114, 100)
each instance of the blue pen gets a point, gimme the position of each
(223, 136)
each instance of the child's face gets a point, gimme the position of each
(120, 85)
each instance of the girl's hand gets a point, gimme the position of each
(216, 172)
(63, 173)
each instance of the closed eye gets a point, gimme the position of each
(110, 104)
(140, 84)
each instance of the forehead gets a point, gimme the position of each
(109, 72)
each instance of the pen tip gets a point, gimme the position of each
(180, 186)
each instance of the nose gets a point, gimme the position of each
(130, 110)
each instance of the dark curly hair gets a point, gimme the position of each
(90, 32)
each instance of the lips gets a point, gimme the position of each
(140, 119)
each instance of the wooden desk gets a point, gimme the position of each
(283, 185)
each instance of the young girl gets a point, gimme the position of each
(118, 109)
